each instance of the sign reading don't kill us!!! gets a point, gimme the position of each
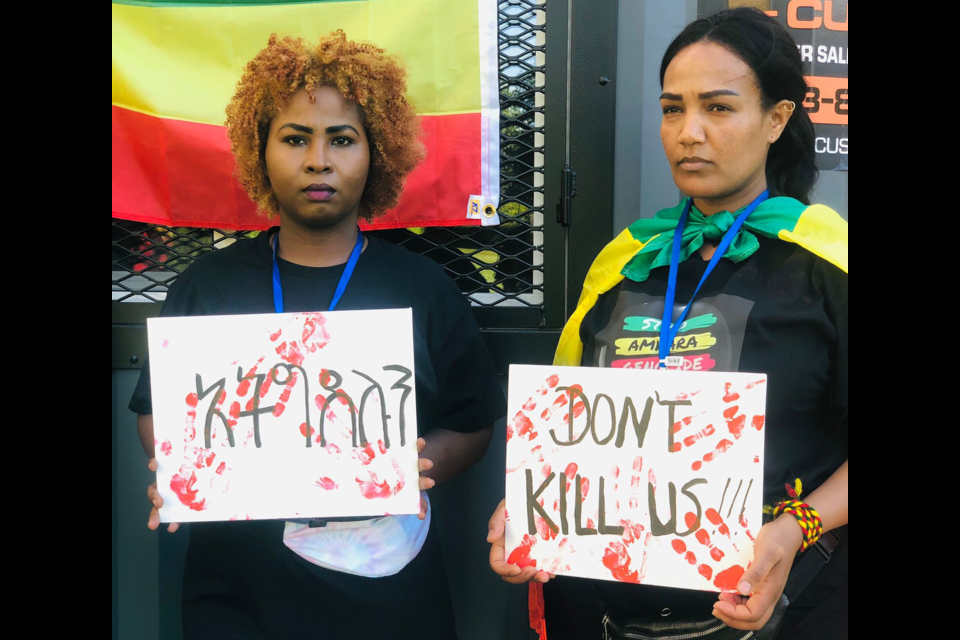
(652, 477)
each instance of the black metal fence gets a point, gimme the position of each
(497, 266)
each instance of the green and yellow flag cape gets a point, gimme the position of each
(646, 244)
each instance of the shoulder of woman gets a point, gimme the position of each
(417, 278)
(225, 267)
(609, 263)
(409, 264)
(821, 231)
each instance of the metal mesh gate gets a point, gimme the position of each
(500, 266)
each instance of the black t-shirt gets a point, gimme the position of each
(240, 580)
(783, 312)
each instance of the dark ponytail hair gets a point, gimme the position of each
(768, 49)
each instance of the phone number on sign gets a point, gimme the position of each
(826, 100)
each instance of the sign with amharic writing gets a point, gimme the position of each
(652, 477)
(290, 415)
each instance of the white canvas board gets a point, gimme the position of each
(668, 493)
(268, 380)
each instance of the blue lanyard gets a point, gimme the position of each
(341, 286)
(669, 330)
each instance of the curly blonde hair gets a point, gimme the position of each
(364, 74)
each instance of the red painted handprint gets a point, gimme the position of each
(728, 578)
(735, 421)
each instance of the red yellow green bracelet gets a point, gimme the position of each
(808, 518)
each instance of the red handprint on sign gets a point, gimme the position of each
(735, 420)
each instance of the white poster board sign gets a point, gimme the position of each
(289, 415)
(652, 477)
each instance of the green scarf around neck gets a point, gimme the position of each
(771, 216)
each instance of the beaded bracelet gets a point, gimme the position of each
(808, 518)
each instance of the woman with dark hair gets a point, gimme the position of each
(743, 153)
(323, 136)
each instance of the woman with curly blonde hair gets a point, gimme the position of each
(375, 83)
(323, 136)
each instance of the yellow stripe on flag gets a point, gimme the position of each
(184, 62)
(604, 274)
(821, 231)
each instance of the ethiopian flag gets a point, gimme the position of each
(176, 64)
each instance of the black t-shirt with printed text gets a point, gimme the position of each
(240, 581)
(783, 312)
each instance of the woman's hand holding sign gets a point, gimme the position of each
(424, 464)
(762, 583)
(774, 553)
(145, 431)
(509, 572)
(154, 496)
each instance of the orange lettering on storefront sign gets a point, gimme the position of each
(822, 15)
(826, 100)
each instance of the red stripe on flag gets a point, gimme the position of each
(179, 173)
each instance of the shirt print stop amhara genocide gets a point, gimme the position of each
(288, 415)
(652, 477)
